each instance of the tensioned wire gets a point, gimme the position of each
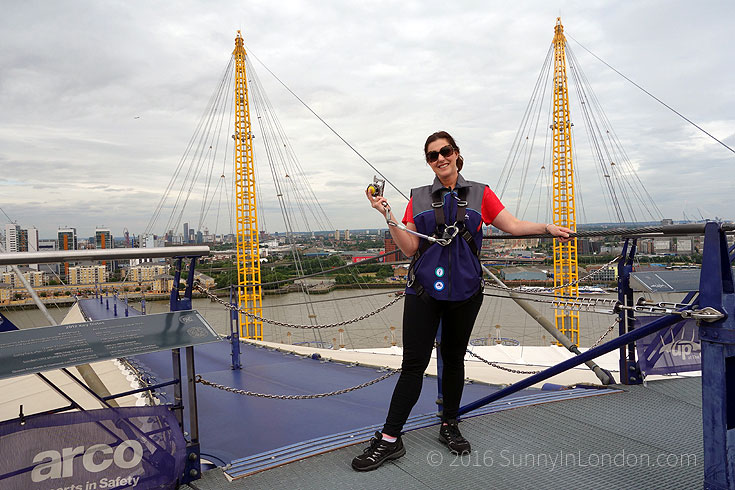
(619, 168)
(616, 148)
(199, 133)
(652, 96)
(328, 126)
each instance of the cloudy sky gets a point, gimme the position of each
(98, 100)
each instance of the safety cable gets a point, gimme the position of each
(327, 125)
(668, 230)
(653, 96)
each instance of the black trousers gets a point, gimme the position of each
(421, 316)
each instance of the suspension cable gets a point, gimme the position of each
(327, 125)
(653, 96)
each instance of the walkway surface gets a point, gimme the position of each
(641, 437)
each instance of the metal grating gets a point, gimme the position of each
(661, 418)
(294, 452)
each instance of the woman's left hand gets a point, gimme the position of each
(561, 232)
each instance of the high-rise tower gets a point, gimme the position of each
(67, 240)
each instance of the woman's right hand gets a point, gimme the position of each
(377, 202)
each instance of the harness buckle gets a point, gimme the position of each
(438, 204)
(448, 234)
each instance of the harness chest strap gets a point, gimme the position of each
(438, 206)
(439, 231)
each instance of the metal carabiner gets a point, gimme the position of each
(450, 232)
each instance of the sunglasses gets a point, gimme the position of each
(445, 151)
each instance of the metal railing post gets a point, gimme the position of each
(718, 361)
(193, 469)
(234, 333)
(630, 373)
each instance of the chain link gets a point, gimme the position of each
(498, 366)
(605, 334)
(198, 379)
(232, 307)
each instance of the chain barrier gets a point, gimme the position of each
(610, 328)
(498, 366)
(198, 379)
(232, 307)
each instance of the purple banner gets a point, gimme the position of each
(672, 350)
(6, 325)
(112, 448)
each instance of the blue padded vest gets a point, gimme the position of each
(453, 272)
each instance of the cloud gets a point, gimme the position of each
(99, 101)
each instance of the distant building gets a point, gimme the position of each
(390, 246)
(611, 249)
(103, 238)
(5, 291)
(662, 245)
(28, 240)
(47, 245)
(336, 235)
(400, 271)
(34, 278)
(585, 246)
(609, 273)
(149, 241)
(87, 274)
(19, 239)
(684, 246)
(12, 238)
(186, 232)
(204, 280)
(145, 273)
(347, 234)
(67, 240)
(163, 283)
(645, 246)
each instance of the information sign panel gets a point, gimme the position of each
(41, 349)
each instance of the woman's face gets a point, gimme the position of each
(442, 158)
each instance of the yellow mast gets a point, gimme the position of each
(248, 257)
(565, 214)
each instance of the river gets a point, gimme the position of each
(498, 318)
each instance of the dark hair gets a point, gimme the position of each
(444, 135)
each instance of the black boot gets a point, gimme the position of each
(377, 453)
(450, 435)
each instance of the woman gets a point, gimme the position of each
(445, 284)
